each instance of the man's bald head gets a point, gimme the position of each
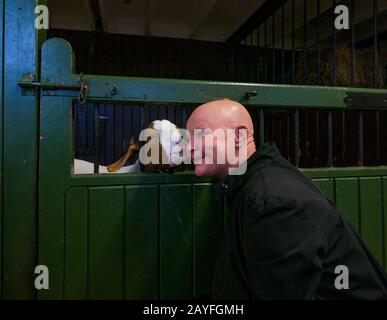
(222, 113)
(213, 121)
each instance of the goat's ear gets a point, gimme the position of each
(114, 167)
(131, 141)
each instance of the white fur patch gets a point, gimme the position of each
(85, 167)
(170, 140)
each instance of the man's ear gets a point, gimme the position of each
(240, 135)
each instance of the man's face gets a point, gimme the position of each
(207, 148)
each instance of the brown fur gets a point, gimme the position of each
(132, 154)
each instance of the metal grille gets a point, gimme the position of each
(103, 131)
(299, 45)
(302, 46)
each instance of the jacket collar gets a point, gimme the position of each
(262, 157)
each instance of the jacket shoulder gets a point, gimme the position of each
(276, 182)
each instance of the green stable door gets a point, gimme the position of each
(156, 236)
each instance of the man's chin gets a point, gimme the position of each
(206, 170)
(200, 171)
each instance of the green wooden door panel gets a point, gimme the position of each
(371, 224)
(176, 242)
(141, 242)
(106, 243)
(147, 236)
(327, 186)
(347, 193)
(76, 235)
(55, 147)
(208, 219)
(19, 179)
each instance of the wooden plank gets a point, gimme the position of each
(175, 242)
(55, 161)
(106, 238)
(347, 200)
(371, 215)
(76, 231)
(208, 219)
(20, 152)
(327, 187)
(141, 243)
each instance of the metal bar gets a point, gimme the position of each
(334, 45)
(318, 71)
(330, 139)
(288, 135)
(376, 75)
(49, 86)
(259, 59)
(378, 137)
(343, 131)
(265, 71)
(273, 34)
(353, 52)
(261, 126)
(251, 66)
(256, 19)
(96, 12)
(317, 134)
(305, 69)
(360, 155)
(280, 142)
(192, 91)
(293, 44)
(272, 127)
(96, 138)
(318, 42)
(360, 139)
(330, 115)
(283, 41)
(375, 43)
(297, 138)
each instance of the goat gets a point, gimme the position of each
(165, 136)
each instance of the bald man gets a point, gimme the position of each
(284, 239)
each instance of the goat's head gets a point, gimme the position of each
(167, 139)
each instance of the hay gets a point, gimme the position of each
(364, 67)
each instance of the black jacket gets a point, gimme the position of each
(284, 239)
